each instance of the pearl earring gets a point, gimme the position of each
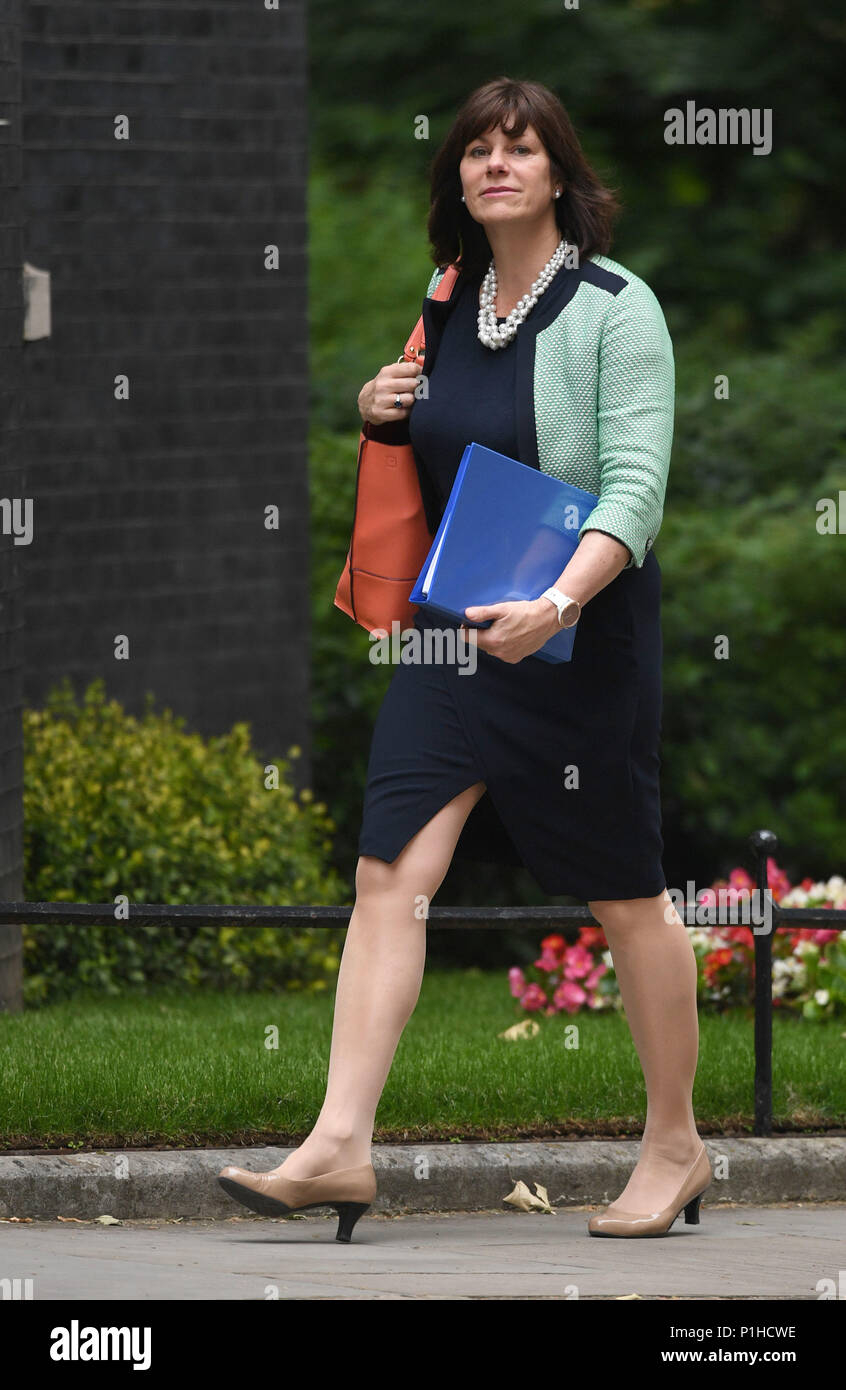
(463, 199)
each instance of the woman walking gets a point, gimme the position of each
(551, 353)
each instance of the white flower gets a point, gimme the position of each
(797, 897)
(816, 894)
(783, 968)
(608, 959)
(821, 996)
(711, 940)
(806, 948)
(835, 891)
(794, 970)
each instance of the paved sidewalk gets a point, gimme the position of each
(414, 1178)
(790, 1252)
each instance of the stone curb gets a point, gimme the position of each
(412, 1178)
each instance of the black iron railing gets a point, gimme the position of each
(766, 918)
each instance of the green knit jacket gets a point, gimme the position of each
(604, 387)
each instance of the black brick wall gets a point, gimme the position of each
(11, 486)
(149, 513)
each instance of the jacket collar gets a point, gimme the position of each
(556, 296)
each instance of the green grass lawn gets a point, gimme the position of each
(194, 1070)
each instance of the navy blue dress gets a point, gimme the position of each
(569, 751)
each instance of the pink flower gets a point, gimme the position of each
(533, 999)
(777, 880)
(742, 935)
(797, 934)
(569, 996)
(577, 962)
(596, 975)
(516, 981)
(734, 895)
(547, 961)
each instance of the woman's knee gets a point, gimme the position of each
(420, 867)
(618, 914)
(374, 876)
(398, 880)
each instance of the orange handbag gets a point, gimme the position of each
(390, 536)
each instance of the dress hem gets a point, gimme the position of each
(437, 804)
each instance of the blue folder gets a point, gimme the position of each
(507, 532)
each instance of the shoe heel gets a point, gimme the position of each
(691, 1211)
(348, 1214)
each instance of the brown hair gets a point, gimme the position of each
(584, 212)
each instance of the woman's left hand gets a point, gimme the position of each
(519, 627)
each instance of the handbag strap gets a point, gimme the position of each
(415, 347)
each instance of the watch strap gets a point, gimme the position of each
(562, 601)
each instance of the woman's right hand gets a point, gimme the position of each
(376, 398)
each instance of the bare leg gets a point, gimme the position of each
(378, 986)
(656, 969)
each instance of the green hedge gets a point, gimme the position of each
(116, 805)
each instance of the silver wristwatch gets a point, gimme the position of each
(565, 605)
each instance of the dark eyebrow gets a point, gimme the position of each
(484, 139)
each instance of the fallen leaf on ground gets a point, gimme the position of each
(527, 1029)
(524, 1200)
(78, 1219)
(107, 1220)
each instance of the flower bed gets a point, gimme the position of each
(809, 963)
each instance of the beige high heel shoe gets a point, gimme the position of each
(349, 1191)
(616, 1222)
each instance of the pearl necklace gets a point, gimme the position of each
(496, 335)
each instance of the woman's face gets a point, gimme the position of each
(516, 163)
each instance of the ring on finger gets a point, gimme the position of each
(398, 402)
